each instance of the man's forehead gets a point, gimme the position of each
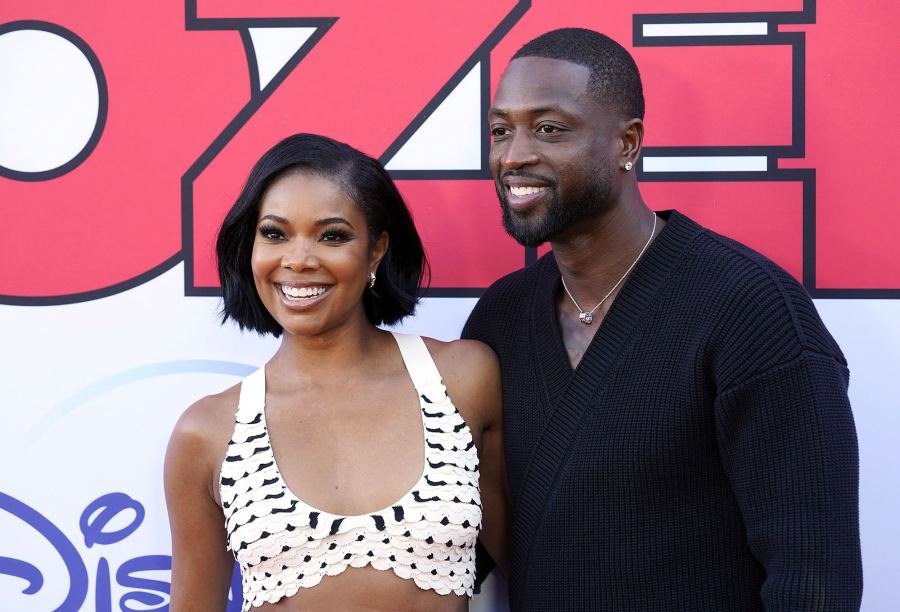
(540, 83)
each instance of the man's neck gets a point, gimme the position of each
(594, 258)
(596, 253)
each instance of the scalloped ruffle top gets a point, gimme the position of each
(283, 544)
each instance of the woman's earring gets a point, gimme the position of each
(371, 279)
(628, 166)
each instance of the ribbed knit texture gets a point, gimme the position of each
(703, 454)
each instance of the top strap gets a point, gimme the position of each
(253, 393)
(418, 361)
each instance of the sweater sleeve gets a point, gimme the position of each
(486, 316)
(475, 327)
(788, 445)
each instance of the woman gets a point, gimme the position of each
(344, 474)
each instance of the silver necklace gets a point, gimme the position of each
(587, 316)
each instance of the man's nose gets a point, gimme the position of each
(519, 151)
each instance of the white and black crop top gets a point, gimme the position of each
(283, 544)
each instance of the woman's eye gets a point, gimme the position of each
(271, 233)
(336, 235)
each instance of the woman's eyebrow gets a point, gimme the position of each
(274, 218)
(331, 220)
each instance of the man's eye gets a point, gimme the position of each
(548, 129)
(496, 132)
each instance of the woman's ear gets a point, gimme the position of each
(378, 250)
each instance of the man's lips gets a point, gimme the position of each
(521, 179)
(523, 193)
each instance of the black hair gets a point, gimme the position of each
(401, 272)
(614, 82)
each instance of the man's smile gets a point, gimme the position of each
(524, 191)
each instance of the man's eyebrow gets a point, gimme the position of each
(537, 110)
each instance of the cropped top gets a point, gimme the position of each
(283, 544)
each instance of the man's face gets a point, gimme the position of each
(552, 149)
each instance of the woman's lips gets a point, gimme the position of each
(302, 297)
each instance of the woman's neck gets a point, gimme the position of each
(338, 350)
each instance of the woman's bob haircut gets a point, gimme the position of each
(402, 271)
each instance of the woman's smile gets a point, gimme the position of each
(302, 297)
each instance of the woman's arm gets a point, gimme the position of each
(494, 489)
(471, 373)
(201, 564)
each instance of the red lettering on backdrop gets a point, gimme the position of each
(115, 217)
(852, 124)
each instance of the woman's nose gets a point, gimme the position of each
(300, 256)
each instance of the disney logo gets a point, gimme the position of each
(95, 524)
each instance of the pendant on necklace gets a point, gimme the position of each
(586, 317)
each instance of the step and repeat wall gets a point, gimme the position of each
(127, 129)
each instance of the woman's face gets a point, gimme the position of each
(311, 257)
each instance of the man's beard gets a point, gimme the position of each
(591, 198)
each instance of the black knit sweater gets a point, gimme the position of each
(703, 454)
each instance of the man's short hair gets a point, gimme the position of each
(403, 269)
(614, 82)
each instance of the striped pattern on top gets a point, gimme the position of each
(283, 544)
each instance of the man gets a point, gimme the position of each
(677, 429)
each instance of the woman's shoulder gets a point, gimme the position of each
(463, 358)
(208, 422)
(471, 372)
(199, 442)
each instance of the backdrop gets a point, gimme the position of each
(127, 128)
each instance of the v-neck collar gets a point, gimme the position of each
(625, 312)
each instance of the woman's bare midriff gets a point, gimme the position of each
(370, 590)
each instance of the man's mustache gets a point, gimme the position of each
(527, 175)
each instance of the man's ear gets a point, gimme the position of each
(631, 139)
